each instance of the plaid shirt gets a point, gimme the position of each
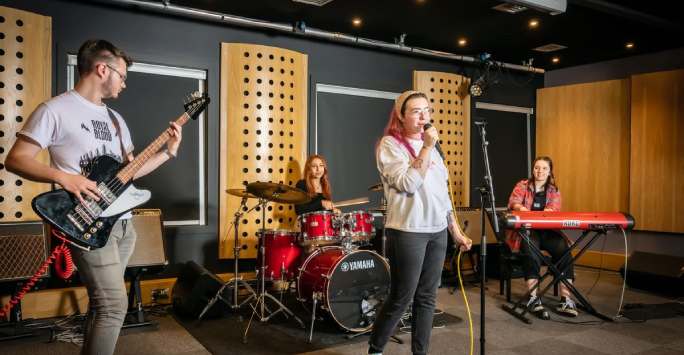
(523, 194)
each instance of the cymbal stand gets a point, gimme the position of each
(236, 280)
(259, 306)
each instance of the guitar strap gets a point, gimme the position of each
(115, 122)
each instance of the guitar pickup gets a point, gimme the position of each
(106, 194)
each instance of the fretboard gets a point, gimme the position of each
(126, 174)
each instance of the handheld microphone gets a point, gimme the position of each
(439, 149)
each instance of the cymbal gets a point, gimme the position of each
(278, 192)
(376, 187)
(240, 193)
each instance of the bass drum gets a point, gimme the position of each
(349, 284)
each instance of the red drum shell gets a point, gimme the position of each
(318, 228)
(359, 226)
(351, 285)
(282, 254)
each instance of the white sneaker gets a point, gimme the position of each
(567, 307)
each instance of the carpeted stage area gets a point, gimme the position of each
(505, 335)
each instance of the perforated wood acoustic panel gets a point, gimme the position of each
(448, 95)
(25, 63)
(263, 135)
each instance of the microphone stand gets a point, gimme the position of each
(486, 195)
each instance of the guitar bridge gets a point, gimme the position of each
(76, 223)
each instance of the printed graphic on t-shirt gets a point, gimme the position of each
(86, 160)
(101, 130)
(85, 128)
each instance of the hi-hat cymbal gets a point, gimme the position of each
(240, 193)
(376, 187)
(278, 192)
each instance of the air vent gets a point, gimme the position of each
(551, 47)
(313, 2)
(509, 8)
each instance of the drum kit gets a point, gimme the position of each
(328, 260)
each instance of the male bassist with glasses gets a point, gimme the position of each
(77, 127)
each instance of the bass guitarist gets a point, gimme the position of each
(77, 127)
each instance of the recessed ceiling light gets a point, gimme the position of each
(534, 23)
(629, 45)
(462, 42)
(356, 21)
(555, 60)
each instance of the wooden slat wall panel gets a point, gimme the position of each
(585, 130)
(448, 96)
(657, 150)
(25, 81)
(263, 134)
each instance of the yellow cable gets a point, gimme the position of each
(465, 300)
(458, 269)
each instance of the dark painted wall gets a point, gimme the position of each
(190, 43)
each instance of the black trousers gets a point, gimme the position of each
(416, 261)
(551, 241)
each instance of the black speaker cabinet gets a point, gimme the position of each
(193, 290)
(149, 247)
(656, 272)
(23, 249)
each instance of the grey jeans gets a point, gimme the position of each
(102, 272)
(416, 261)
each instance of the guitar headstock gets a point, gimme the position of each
(195, 104)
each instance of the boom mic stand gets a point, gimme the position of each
(486, 195)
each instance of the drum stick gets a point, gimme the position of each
(352, 202)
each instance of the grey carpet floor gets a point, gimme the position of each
(504, 335)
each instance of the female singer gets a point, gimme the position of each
(539, 192)
(419, 212)
(317, 185)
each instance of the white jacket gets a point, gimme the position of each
(414, 203)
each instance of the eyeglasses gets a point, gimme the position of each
(425, 111)
(123, 77)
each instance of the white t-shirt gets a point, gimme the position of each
(414, 203)
(75, 131)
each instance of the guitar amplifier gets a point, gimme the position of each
(469, 219)
(149, 247)
(23, 249)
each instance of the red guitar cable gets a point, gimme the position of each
(64, 268)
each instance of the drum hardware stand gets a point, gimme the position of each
(236, 280)
(315, 297)
(259, 306)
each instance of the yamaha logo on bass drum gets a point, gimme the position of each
(357, 265)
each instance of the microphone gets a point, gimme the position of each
(439, 149)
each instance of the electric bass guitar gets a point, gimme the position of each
(87, 225)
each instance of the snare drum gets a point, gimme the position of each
(319, 228)
(349, 285)
(358, 225)
(282, 254)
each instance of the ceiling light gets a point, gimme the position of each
(534, 23)
(629, 45)
(462, 42)
(356, 21)
(555, 60)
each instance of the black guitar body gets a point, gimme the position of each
(55, 206)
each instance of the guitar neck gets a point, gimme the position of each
(126, 174)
